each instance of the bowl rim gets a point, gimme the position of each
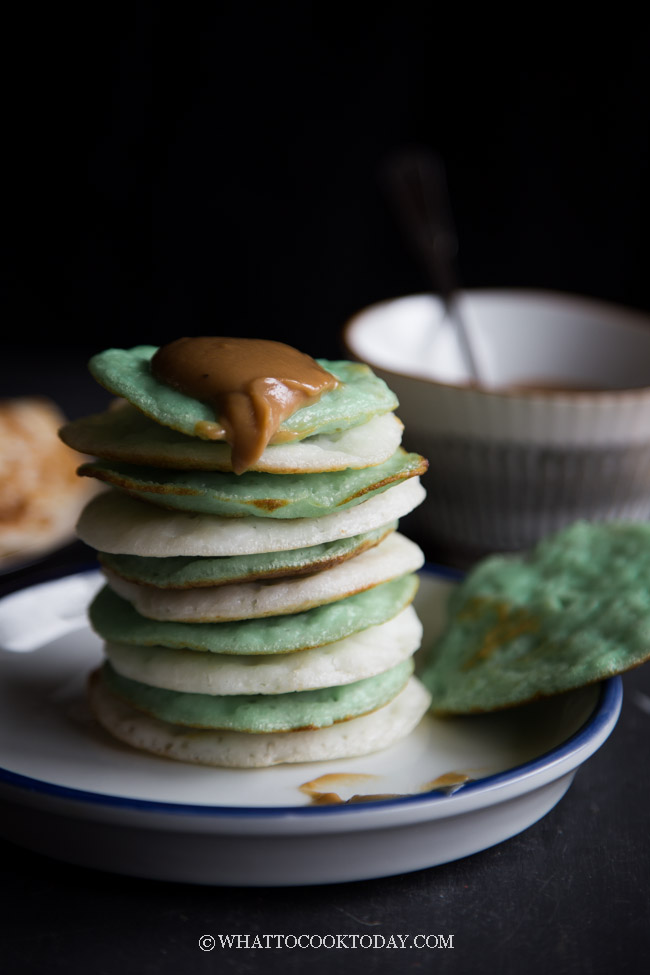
(627, 315)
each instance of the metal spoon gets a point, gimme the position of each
(415, 182)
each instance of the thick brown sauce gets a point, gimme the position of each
(321, 790)
(253, 385)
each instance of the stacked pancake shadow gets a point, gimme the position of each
(260, 618)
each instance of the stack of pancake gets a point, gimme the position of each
(256, 618)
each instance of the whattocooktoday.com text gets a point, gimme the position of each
(209, 942)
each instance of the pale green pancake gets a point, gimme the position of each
(262, 713)
(574, 611)
(237, 749)
(117, 621)
(363, 654)
(114, 522)
(127, 373)
(263, 495)
(394, 557)
(188, 572)
(124, 434)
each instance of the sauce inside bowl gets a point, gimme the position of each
(553, 386)
(541, 341)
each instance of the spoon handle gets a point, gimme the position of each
(415, 182)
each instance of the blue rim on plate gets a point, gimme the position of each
(605, 713)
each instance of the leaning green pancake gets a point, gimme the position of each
(263, 713)
(127, 373)
(113, 522)
(237, 749)
(263, 495)
(116, 620)
(126, 435)
(394, 557)
(363, 654)
(575, 611)
(187, 572)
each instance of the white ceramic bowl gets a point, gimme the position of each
(558, 429)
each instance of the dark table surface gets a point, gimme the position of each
(246, 193)
(570, 894)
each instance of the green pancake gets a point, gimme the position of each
(574, 611)
(124, 434)
(186, 572)
(255, 493)
(232, 749)
(127, 373)
(114, 619)
(262, 713)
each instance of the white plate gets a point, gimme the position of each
(70, 791)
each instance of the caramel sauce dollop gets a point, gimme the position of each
(253, 385)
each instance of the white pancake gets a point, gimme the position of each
(115, 523)
(235, 749)
(125, 434)
(393, 557)
(364, 654)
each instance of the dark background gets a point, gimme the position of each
(188, 169)
(196, 169)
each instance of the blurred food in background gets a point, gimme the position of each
(40, 494)
(557, 429)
